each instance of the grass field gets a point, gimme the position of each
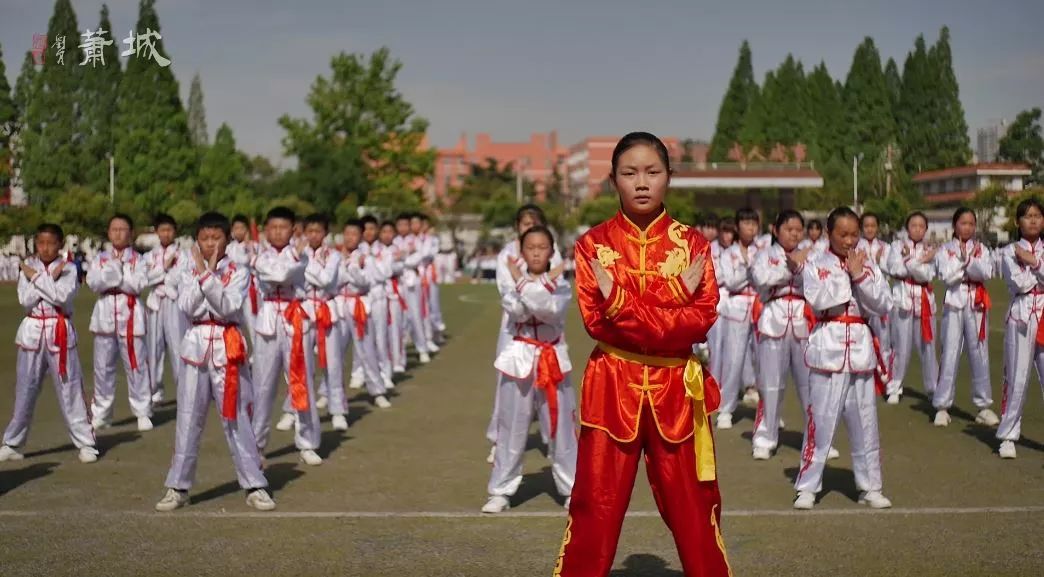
(399, 493)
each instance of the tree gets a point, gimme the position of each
(156, 163)
(867, 112)
(824, 101)
(197, 114)
(949, 123)
(756, 122)
(8, 121)
(101, 86)
(362, 124)
(222, 172)
(53, 155)
(734, 106)
(598, 209)
(81, 211)
(787, 106)
(986, 203)
(22, 95)
(894, 82)
(913, 117)
(1023, 143)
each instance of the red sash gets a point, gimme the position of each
(983, 303)
(359, 315)
(132, 300)
(926, 309)
(298, 382)
(549, 374)
(879, 384)
(323, 323)
(61, 338)
(252, 292)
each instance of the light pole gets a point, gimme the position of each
(518, 180)
(855, 181)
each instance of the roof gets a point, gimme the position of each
(982, 169)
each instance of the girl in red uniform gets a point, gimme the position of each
(646, 288)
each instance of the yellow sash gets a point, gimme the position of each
(693, 379)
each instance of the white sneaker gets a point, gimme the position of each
(875, 499)
(286, 422)
(942, 418)
(762, 454)
(492, 455)
(311, 458)
(1007, 450)
(10, 454)
(724, 421)
(496, 504)
(322, 403)
(441, 327)
(567, 502)
(388, 383)
(805, 500)
(357, 382)
(988, 418)
(782, 425)
(158, 397)
(340, 423)
(382, 402)
(98, 424)
(144, 424)
(174, 499)
(893, 399)
(260, 500)
(433, 348)
(833, 454)
(88, 455)
(425, 358)
(398, 369)
(751, 397)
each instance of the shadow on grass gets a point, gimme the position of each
(988, 436)
(278, 475)
(11, 479)
(536, 484)
(835, 480)
(787, 438)
(645, 565)
(161, 414)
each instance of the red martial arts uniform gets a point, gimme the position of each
(644, 391)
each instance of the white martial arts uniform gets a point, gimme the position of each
(354, 307)
(243, 256)
(416, 311)
(737, 314)
(392, 257)
(118, 324)
(377, 267)
(1023, 336)
(166, 323)
(881, 326)
(965, 320)
(911, 325)
(535, 367)
(46, 341)
(842, 357)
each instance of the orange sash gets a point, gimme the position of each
(549, 374)
(298, 379)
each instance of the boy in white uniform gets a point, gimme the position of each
(167, 324)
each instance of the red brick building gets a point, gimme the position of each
(538, 159)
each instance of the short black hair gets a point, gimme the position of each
(538, 229)
(423, 217)
(51, 228)
(240, 218)
(403, 216)
(710, 219)
(814, 223)
(387, 223)
(356, 222)
(913, 215)
(164, 218)
(747, 213)
(532, 210)
(121, 216)
(369, 219)
(727, 224)
(866, 216)
(281, 212)
(318, 218)
(213, 220)
(837, 214)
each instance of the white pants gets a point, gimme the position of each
(272, 361)
(365, 364)
(378, 332)
(435, 308)
(72, 401)
(906, 334)
(543, 417)
(331, 383)
(737, 362)
(198, 387)
(518, 398)
(1020, 353)
(960, 327)
(414, 319)
(166, 328)
(836, 395)
(715, 344)
(107, 350)
(776, 358)
(396, 345)
(881, 328)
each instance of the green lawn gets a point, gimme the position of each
(400, 491)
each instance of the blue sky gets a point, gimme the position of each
(585, 67)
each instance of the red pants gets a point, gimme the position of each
(604, 480)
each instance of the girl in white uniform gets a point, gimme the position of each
(1023, 271)
(912, 264)
(535, 367)
(843, 286)
(878, 251)
(737, 312)
(964, 265)
(726, 236)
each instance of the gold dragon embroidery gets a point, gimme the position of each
(677, 259)
(606, 256)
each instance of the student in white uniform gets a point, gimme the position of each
(167, 324)
(119, 276)
(242, 250)
(535, 367)
(843, 286)
(390, 253)
(880, 326)
(912, 263)
(378, 269)
(814, 237)
(46, 341)
(211, 293)
(964, 265)
(1023, 272)
(414, 314)
(737, 312)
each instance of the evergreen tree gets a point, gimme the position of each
(53, 154)
(895, 84)
(155, 159)
(787, 109)
(917, 137)
(222, 172)
(756, 122)
(954, 147)
(8, 122)
(197, 114)
(827, 132)
(734, 107)
(23, 90)
(867, 112)
(101, 84)
(1023, 143)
